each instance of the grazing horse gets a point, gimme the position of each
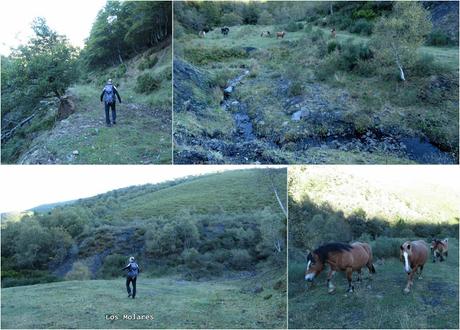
(333, 33)
(265, 34)
(414, 255)
(225, 31)
(342, 257)
(439, 248)
(202, 34)
(280, 34)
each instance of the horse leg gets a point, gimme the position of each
(441, 259)
(359, 275)
(434, 256)
(420, 272)
(330, 286)
(349, 273)
(410, 276)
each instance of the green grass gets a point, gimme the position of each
(173, 304)
(380, 302)
(228, 192)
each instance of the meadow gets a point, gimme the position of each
(304, 104)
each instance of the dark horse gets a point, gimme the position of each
(439, 248)
(342, 257)
(225, 30)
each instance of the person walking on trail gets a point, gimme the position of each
(133, 271)
(108, 96)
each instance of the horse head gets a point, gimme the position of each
(314, 266)
(405, 255)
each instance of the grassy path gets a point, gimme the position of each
(173, 304)
(142, 134)
(380, 303)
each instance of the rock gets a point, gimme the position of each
(296, 116)
(75, 152)
(228, 90)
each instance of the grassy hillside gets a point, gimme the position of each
(172, 302)
(143, 131)
(303, 104)
(378, 193)
(380, 302)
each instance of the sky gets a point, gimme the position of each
(71, 18)
(24, 187)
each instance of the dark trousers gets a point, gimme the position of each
(114, 113)
(132, 280)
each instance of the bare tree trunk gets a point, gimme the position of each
(398, 63)
(331, 9)
(277, 196)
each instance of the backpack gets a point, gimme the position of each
(109, 94)
(133, 270)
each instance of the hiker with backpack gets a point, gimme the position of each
(108, 95)
(133, 271)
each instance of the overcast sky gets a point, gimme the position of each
(71, 18)
(24, 187)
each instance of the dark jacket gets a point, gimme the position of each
(114, 91)
(133, 269)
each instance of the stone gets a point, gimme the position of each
(75, 152)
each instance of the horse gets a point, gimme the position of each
(414, 255)
(439, 249)
(202, 34)
(342, 257)
(280, 34)
(225, 31)
(333, 33)
(265, 34)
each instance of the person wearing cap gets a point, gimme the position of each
(133, 271)
(108, 96)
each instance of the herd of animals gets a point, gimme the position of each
(225, 30)
(353, 257)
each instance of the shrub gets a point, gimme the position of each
(425, 65)
(191, 258)
(438, 38)
(364, 13)
(332, 46)
(148, 63)
(112, 266)
(120, 71)
(79, 272)
(231, 19)
(362, 26)
(407, 233)
(240, 259)
(317, 34)
(386, 247)
(146, 83)
(295, 88)
(293, 27)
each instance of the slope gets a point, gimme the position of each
(143, 131)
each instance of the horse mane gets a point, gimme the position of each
(324, 250)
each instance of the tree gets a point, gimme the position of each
(231, 19)
(265, 18)
(397, 37)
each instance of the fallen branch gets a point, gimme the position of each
(6, 136)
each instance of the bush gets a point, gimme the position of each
(317, 34)
(425, 65)
(148, 63)
(438, 38)
(295, 88)
(231, 19)
(79, 272)
(362, 26)
(112, 266)
(332, 46)
(293, 27)
(120, 71)
(146, 83)
(214, 54)
(386, 247)
(240, 259)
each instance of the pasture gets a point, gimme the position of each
(301, 107)
(173, 303)
(380, 302)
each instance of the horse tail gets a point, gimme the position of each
(372, 269)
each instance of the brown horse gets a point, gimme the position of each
(280, 34)
(439, 248)
(414, 255)
(342, 257)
